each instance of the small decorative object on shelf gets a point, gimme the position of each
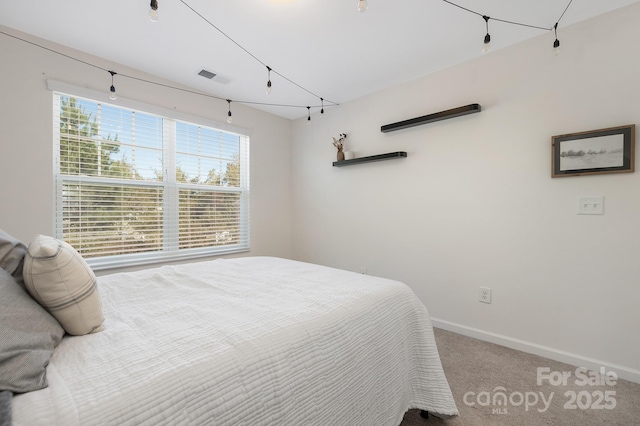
(339, 143)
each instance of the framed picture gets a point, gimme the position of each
(594, 152)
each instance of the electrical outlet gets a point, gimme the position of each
(484, 295)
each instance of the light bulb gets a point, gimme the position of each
(487, 43)
(229, 116)
(268, 80)
(153, 11)
(556, 43)
(362, 5)
(112, 93)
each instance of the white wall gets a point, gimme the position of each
(26, 150)
(474, 204)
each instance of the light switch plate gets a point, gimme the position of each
(590, 205)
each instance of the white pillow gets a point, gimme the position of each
(61, 281)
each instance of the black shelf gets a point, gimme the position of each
(430, 118)
(371, 158)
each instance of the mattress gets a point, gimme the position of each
(247, 341)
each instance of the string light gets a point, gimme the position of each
(487, 38)
(155, 83)
(112, 89)
(362, 6)
(254, 56)
(153, 11)
(229, 115)
(268, 80)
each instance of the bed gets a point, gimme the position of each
(246, 341)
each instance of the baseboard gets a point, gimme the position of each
(623, 372)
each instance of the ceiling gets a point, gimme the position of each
(325, 46)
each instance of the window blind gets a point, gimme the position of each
(134, 187)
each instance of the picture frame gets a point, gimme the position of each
(601, 151)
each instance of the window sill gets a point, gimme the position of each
(157, 258)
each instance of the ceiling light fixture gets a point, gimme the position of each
(268, 80)
(153, 11)
(556, 44)
(362, 5)
(229, 115)
(487, 38)
(112, 89)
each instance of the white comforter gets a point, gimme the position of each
(250, 341)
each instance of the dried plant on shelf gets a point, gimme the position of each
(339, 143)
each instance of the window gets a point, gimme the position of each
(133, 187)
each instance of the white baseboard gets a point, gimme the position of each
(623, 372)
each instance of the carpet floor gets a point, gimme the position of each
(537, 391)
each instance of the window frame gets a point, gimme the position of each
(171, 188)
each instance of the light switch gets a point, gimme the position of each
(590, 205)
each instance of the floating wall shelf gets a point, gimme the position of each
(442, 115)
(380, 157)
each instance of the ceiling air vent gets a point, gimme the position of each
(207, 74)
(215, 77)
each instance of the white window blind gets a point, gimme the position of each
(134, 187)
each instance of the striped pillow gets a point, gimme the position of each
(61, 281)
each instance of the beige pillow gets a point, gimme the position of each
(61, 281)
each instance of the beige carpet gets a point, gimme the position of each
(476, 368)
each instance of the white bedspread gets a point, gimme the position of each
(249, 341)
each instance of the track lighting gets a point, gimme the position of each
(268, 80)
(487, 38)
(556, 44)
(229, 115)
(153, 11)
(362, 5)
(112, 90)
